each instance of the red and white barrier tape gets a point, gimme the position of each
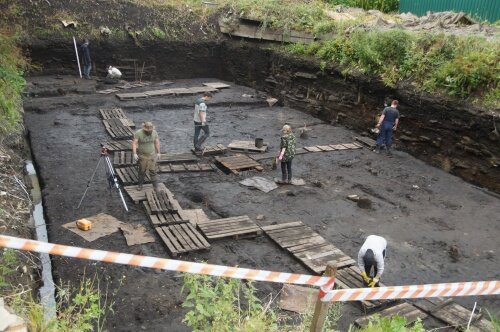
(325, 283)
(162, 263)
(413, 291)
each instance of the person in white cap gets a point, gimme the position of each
(146, 152)
(371, 259)
(114, 73)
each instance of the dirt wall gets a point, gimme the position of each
(444, 132)
(155, 60)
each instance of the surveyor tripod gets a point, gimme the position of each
(110, 176)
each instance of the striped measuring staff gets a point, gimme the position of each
(162, 263)
(413, 291)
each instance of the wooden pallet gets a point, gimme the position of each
(217, 85)
(210, 150)
(234, 227)
(453, 314)
(159, 202)
(112, 113)
(177, 157)
(120, 132)
(118, 122)
(164, 218)
(366, 141)
(238, 163)
(182, 238)
(140, 195)
(123, 158)
(307, 246)
(123, 145)
(405, 309)
(186, 167)
(131, 95)
(129, 175)
(245, 146)
(350, 277)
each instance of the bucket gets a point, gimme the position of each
(259, 142)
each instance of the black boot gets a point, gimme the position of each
(140, 179)
(389, 151)
(377, 148)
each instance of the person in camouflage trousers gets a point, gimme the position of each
(287, 152)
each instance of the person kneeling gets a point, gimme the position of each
(114, 74)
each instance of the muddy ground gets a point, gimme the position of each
(421, 210)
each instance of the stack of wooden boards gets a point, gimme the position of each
(175, 229)
(207, 87)
(117, 124)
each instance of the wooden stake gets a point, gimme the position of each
(142, 71)
(321, 309)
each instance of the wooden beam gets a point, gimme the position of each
(321, 309)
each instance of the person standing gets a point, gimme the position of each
(87, 62)
(200, 121)
(287, 152)
(371, 257)
(146, 152)
(387, 123)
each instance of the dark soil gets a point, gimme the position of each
(421, 210)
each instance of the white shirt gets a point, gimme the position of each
(377, 244)
(114, 73)
(199, 106)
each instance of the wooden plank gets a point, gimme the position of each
(118, 145)
(199, 236)
(366, 141)
(312, 149)
(351, 146)
(171, 243)
(280, 226)
(177, 157)
(112, 113)
(216, 85)
(325, 148)
(338, 147)
(247, 146)
(131, 96)
(226, 227)
(410, 312)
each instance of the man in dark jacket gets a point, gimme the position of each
(87, 63)
(388, 122)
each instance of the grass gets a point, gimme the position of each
(463, 67)
(389, 324)
(12, 66)
(224, 304)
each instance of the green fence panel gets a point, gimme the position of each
(482, 9)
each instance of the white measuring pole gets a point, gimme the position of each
(77, 58)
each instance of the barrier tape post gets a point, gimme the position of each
(321, 308)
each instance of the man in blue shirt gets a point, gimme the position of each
(387, 124)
